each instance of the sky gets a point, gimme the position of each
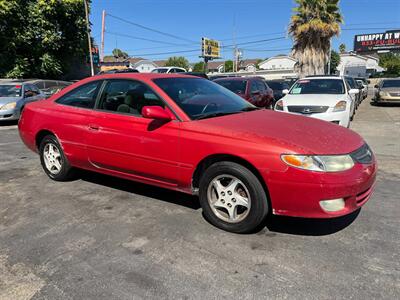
(259, 26)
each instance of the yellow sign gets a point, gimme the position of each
(210, 48)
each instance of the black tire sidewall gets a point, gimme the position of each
(259, 203)
(64, 174)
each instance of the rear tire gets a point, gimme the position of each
(53, 160)
(232, 198)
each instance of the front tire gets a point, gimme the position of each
(53, 160)
(232, 198)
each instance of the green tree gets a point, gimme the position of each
(177, 61)
(335, 61)
(118, 53)
(312, 26)
(228, 66)
(342, 48)
(391, 62)
(198, 67)
(41, 38)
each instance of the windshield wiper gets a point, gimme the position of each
(250, 108)
(216, 114)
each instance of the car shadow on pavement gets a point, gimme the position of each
(8, 123)
(384, 104)
(141, 189)
(310, 227)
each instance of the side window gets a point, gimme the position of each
(40, 84)
(128, 96)
(83, 96)
(35, 89)
(253, 87)
(261, 86)
(179, 71)
(171, 70)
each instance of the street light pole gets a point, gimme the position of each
(89, 39)
(103, 26)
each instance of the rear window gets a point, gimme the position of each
(318, 86)
(236, 86)
(13, 90)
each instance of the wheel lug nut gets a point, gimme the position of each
(222, 193)
(229, 193)
(223, 201)
(230, 205)
(233, 200)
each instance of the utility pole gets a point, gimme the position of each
(89, 39)
(234, 66)
(103, 28)
(329, 58)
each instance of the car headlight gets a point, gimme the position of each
(9, 106)
(340, 106)
(383, 94)
(319, 163)
(279, 105)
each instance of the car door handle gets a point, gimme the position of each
(94, 127)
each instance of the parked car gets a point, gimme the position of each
(364, 82)
(388, 90)
(327, 98)
(49, 87)
(192, 135)
(169, 70)
(278, 86)
(114, 71)
(14, 95)
(352, 84)
(253, 89)
(197, 74)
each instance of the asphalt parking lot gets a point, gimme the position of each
(104, 238)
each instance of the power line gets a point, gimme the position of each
(266, 50)
(151, 29)
(371, 28)
(143, 39)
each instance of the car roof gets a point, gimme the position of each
(322, 77)
(12, 82)
(390, 79)
(233, 78)
(142, 76)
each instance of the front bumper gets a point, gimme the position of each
(341, 118)
(9, 115)
(298, 193)
(389, 98)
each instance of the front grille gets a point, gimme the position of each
(362, 155)
(305, 110)
(394, 94)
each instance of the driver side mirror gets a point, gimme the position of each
(156, 113)
(376, 86)
(354, 91)
(285, 91)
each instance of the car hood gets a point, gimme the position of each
(291, 133)
(5, 100)
(311, 99)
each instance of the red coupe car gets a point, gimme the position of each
(192, 135)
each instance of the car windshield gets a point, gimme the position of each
(13, 90)
(159, 71)
(318, 86)
(391, 84)
(236, 86)
(276, 85)
(200, 98)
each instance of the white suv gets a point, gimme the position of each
(168, 70)
(327, 98)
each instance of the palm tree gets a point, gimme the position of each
(312, 26)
